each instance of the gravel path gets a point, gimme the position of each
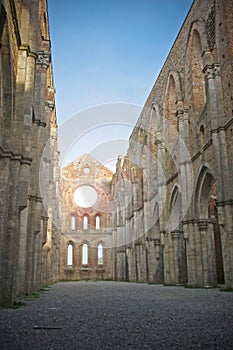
(109, 315)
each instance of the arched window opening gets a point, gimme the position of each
(85, 254)
(97, 222)
(175, 210)
(202, 135)
(85, 222)
(70, 255)
(100, 254)
(73, 222)
(171, 104)
(197, 76)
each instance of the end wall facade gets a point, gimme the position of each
(86, 234)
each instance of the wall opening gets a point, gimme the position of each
(171, 105)
(70, 255)
(85, 254)
(85, 196)
(197, 76)
(100, 254)
(97, 222)
(85, 222)
(202, 135)
(73, 223)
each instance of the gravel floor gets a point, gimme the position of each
(109, 315)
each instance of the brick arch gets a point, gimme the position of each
(172, 101)
(100, 242)
(199, 26)
(85, 241)
(155, 119)
(196, 46)
(175, 75)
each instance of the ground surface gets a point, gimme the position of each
(108, 315)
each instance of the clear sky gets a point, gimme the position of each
(109, 50)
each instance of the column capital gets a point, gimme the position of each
(43, 58)
(49, 106)
(203, 224)
(212, 70)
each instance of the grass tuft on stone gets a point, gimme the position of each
(228, 290)
(17, 304)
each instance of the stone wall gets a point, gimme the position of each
(29, 230)
(85, 224)
(177, 221)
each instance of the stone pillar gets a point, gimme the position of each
(175, 238)
(4, 185)
(208, 254)
(198, 272)
(155, 261)
(121, 264)
(215, 105)
(140, 262)
(114, 256)
(191, 252)
(131, 264)
(166, 259)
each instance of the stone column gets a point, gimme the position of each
(197, 240)
(190, 230)
(175, 238)
(215, 97)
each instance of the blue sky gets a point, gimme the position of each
(109, 50)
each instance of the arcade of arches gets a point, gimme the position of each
(174, 223)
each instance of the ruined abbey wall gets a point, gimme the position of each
(29, 230)
(176, 226)
(86, 235)
(166, 215)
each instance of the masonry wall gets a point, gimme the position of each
(29, 230)
(80, 238)
(178, 217)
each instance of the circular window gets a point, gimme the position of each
(86, 170)
(85, 196)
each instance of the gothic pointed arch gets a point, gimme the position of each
(207, 214)
(100, 253)
(204, 184)
(70, 253)
(197, 44)
(173, 103)
(85, 252)
(175, 208)
(155, 118)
